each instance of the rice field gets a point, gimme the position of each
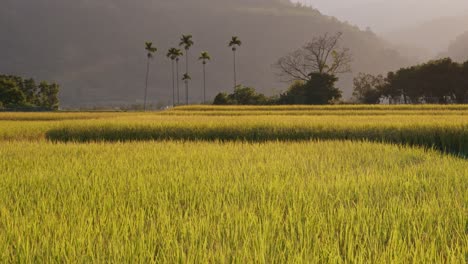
(250, 185)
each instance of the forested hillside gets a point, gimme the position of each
(95, 49)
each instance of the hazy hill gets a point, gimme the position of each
(458, 49)
(388, 16)
(94, 49)
(428, 39)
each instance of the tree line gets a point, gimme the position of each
(26, 94)
(174, 54)
(440, 81)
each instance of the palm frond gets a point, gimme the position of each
(186, 41)
(171, 53)
(150, 49)
(178, 53)
(186, 77)
(204, 56)
(235, 41)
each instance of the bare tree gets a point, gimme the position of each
(322, 55)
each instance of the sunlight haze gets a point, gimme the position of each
(383, 15)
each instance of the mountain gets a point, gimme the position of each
(94, 49)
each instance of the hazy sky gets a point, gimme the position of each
(389, 15)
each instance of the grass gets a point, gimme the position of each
(236, 184)
(451, 138)
(238, 202)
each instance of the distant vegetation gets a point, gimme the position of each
(313, 72)
(312, 69)
(26, 94)
(243, 96)
(320, 90)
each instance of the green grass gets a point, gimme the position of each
(205, 184)
(238, 202)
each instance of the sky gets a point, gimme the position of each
(389, 15)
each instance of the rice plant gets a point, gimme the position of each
(277, 202)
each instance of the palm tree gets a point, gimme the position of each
(177, 54)
(150, 50)
(204, 57)
(186, 78)
(234, 43)
(171, 54)
(187, 42)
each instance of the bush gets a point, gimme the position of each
(243, 96)
(221, 99)
(319, 90)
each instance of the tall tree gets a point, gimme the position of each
(234, 44)
(150, 50)
(186, 78)
(322, 55)
(204, 57)
(49, 95)
(171, 54)
(30, 90)
(177, 54)
(186, 42)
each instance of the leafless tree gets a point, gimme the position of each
(322, 55)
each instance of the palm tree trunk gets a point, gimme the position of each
(204, 84)
(177, 79)
(187, 72)
(186, 61)
(235, 73)
(173, 84)
(186, 92)
(146, 87)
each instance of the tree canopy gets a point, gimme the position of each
(322, 55)
(25, 94)
(319, 90)
(437, 82)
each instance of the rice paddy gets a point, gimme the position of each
(291, 185)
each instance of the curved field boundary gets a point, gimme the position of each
(446, 138)
(316, 113)
(392, 108)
